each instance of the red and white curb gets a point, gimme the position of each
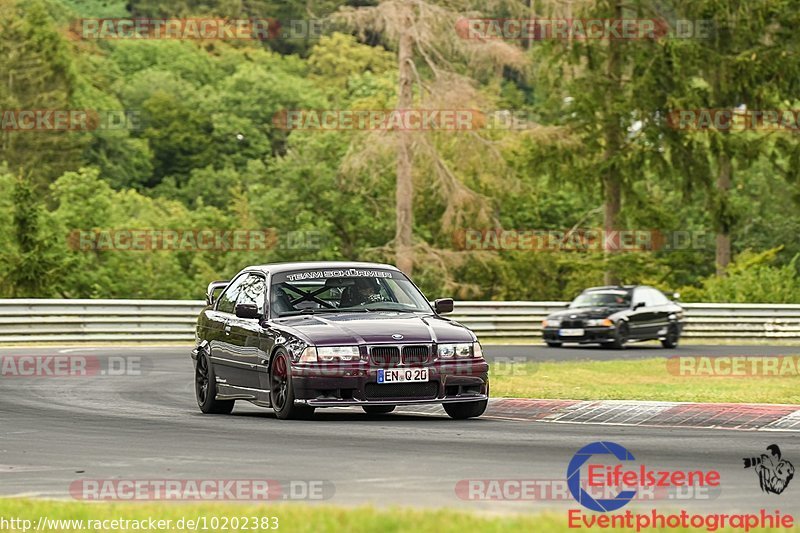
(750, 417)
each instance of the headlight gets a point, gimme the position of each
(551, 322)
(448, 351)
(600, 322)
(327, 354)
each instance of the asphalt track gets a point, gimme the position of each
(54, 431)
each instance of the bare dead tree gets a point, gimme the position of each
(429, 52)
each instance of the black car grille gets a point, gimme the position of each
(385, 355)
(572, 323)
(416, 354)
(393, 391)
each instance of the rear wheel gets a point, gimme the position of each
(281, 391)
(553, 344)
(621, 336)
(672, 337)
(462, 410)
(378, 409)
(205, 388)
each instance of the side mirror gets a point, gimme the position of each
(676, 296)
(212, 288)
(443, 305)
(637, 305)
(247, 311)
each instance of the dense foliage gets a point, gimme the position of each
(201, 149)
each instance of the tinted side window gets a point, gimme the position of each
(650, 297)
(227, 300)
(640, 295)
(658, 297)
(253, 291)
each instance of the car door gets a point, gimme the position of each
(661, 312)
(640, 319)
(220, 347)
(245, 334)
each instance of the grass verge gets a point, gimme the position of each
(641, 379)
(294, 518)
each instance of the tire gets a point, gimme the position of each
(553, 344)
(205, 388)
(281, 390)
(378, 409)
(672, 338)
(463, 410)
(621, 337)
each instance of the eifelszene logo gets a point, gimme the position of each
(626, 481)
(774, 473)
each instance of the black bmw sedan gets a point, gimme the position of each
(300, 336)
(615, 316)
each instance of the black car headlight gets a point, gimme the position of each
(606, 322)
(330, 354)
(449, 351)
(551, 322)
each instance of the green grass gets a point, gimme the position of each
(292, 517)
(300, 518)
(645, 379)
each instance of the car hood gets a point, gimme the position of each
(586, 312)
(375, 328)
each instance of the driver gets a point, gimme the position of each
(367, 291)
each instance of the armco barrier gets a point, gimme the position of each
(33, 320)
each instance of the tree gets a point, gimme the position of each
(33, 267)
(38, 72)
(418, 29)
(748, 61)
(601, 90)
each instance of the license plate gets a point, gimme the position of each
(402, 375)
(571, 332)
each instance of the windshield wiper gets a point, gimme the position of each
(323, 310)
(393, 310)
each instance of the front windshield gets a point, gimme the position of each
(344, 289)
(603, 299)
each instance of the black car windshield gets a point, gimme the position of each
(603, 299)
(330, 290)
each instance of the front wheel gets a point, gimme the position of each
(671, 340)
(621, 336)
(462, 410)
(281, 391)
(205, 388)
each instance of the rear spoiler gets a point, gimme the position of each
(215, 286)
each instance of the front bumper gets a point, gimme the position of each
(590, 334)
(356, 384)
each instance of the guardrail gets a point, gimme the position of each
(34, 320)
